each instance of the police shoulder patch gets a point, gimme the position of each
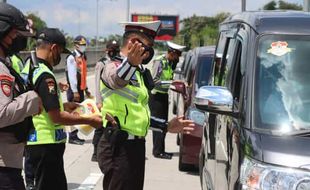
(6, 84)
(51, 85)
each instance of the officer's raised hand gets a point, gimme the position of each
(136, 53)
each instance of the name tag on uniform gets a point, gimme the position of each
(32, 136)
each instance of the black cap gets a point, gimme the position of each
(112, 45)
(54, 36)
(11, 17)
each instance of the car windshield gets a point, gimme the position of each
(282, 95)
(203, 71)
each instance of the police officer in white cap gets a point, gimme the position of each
(163, 68)
(124, 89)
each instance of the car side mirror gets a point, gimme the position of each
(216, 100)
(179, 87)
(178, 70)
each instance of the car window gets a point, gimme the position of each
(223, 60)
(282, 87)
(203, 71)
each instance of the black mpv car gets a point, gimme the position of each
(257, 128)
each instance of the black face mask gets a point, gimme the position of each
(19, 43)
(57, 59)
(176, 60)
(151, 54)
(113, 54)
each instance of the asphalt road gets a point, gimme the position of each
(160, 174)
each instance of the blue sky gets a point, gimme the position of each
(64, 14)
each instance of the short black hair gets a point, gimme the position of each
(41, 44)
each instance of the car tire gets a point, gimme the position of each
(183, 167)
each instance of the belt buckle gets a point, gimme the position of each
(133, 137)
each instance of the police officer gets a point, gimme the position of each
(112, 52)
(121, 149)
(47, 141)
(16, 104)
(76, 78)
(163, 68)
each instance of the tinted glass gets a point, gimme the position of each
(282, 96)
(203, 71)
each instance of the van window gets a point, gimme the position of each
(236, 80)
(222, 64)
(282, 87)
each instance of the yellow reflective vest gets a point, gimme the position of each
(129, 105)
(166, 75)
(46, 131)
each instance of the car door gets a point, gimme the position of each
(227, 127)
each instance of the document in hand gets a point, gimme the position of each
(87, 108)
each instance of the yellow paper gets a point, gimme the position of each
(87, 108)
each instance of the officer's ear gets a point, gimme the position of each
(54, 48)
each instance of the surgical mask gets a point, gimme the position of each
(82, 49)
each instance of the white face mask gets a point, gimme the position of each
(82, 49)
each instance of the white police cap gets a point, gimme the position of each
(174, 46)
(148, 28)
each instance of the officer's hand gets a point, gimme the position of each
(96, 121)
(70, 106)
(76, 97)
(179, 125)
(88, 94)
(135, 54)
(63, 86)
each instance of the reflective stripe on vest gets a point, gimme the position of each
(167, 74)
(46, 131)
(129, 105)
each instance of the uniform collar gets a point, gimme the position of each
(77, 53)
(45, 63)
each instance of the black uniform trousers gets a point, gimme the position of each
(123, 166)
(159, 109)
(48, 164)
(11, 179)
(28, 169)
(97, 135)
(73, 134)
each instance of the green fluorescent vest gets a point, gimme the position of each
(17, 63)
(129, 105)
(166, 75)
(46, 132)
